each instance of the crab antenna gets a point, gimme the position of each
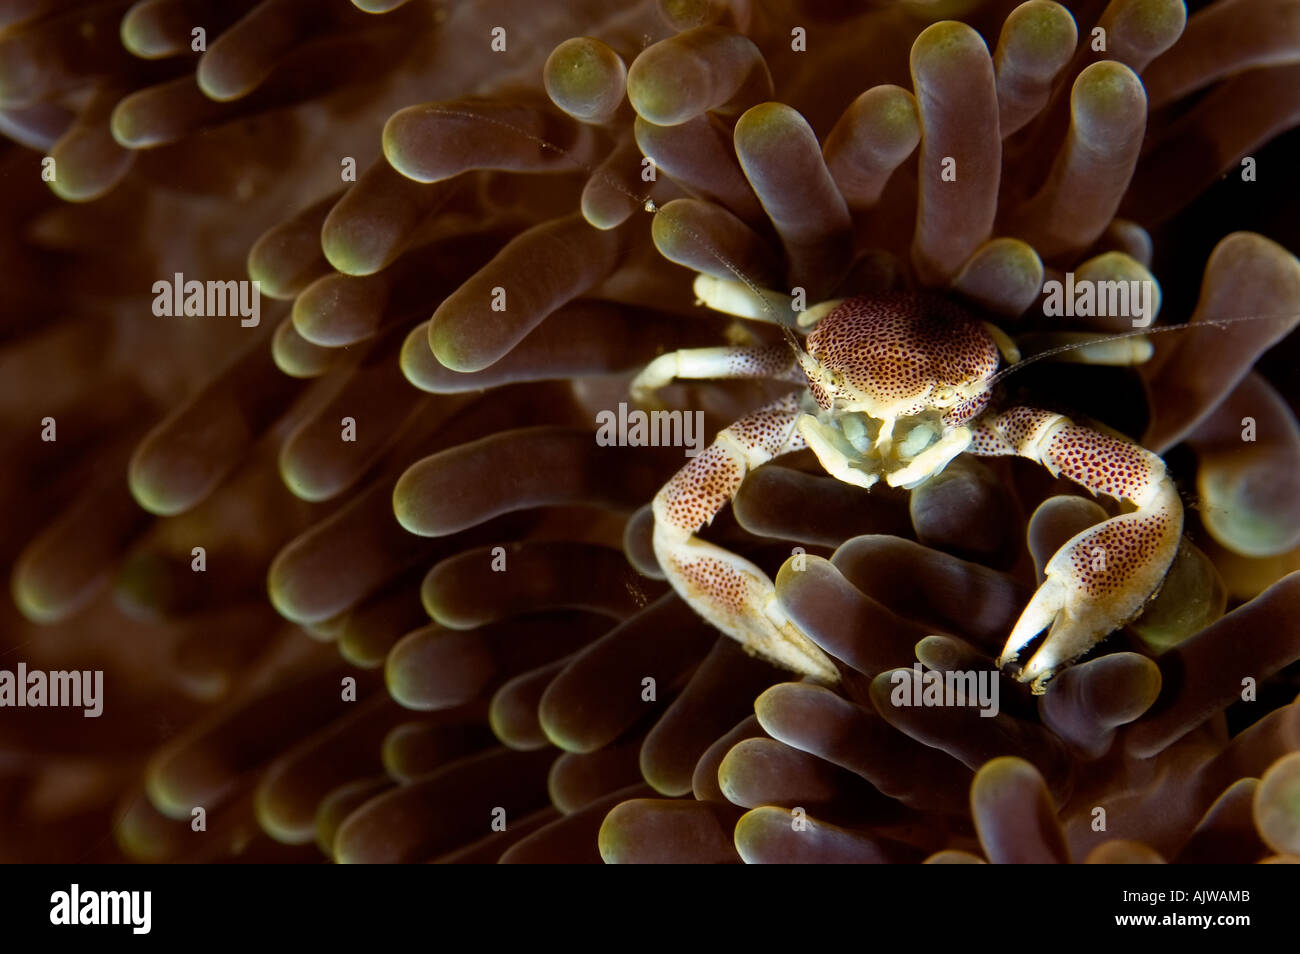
(1119, 336)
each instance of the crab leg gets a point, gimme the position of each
(727, 590)
(1102, 577)
(774, 361)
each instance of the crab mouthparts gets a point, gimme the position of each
(875, 442)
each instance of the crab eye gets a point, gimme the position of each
(943, 396)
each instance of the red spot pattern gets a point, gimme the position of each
(1011, 432)
(770, 429)
(1104, 560)
(987, 442)
(820, 395)
(962, 413)
(701, 488)
(1020, 427)
(899, 347)
(704, 486)
(1103, 464)
(726, 586)
(770, 361)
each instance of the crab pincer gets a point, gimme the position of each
(1102, 577)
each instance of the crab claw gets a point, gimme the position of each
(739, 599)
(1098, 581)
(727, 590)
(1102, 577)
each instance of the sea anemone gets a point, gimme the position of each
(362, 582)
